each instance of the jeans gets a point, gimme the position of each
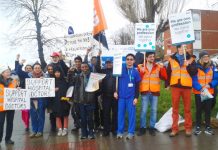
(153, 100)
(87, 122)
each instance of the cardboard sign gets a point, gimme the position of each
(117, 64)
(41, 87)
(145, 36)
(181, 28)
(15, 99)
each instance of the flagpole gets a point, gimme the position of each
(99, 41)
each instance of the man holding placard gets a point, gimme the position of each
(151, 74)
(127, 95)
(179, 70)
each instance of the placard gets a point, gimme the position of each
(117, 64)
(181, 28)
(93, 83)
(145, 36)
(39, 88)
(16, 99)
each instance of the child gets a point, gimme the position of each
(61, 107)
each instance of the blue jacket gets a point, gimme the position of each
(214, 81)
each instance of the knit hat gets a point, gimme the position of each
(3, 68)
(202, 54)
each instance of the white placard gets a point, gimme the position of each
(15, 99)
(39, 88)
(93, 83)
(117, 64)
(181, 28)
(145, 36)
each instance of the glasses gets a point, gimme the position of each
(129, 59)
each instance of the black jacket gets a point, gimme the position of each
(108, 86)
(80, 95)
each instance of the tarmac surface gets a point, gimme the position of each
(72, 141)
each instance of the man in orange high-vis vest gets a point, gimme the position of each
(204, 80)
(6, 81)
(179, 75)
(151, 74)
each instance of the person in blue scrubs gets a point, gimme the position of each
(127, 95)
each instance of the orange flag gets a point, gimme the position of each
(99, 19)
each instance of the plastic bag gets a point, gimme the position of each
(166, 121)
(205, 95)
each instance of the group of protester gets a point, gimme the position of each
(106, 108)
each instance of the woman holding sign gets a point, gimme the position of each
(37, 105)
(6, 82)
(204, 82)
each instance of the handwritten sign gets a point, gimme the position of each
(181, 28)
(15, 99)
(41, 87)
(145, 36)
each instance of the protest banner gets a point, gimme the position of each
(77, 44)
(181, 28)
(93, 83)
(117, 63)
(39, 88)
(16, 99)
(145, 37)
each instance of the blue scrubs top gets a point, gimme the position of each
(127, 82)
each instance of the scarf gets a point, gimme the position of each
(180, 59)
(37, 75)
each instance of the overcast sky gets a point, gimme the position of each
(78, 14)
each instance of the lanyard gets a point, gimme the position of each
(130, 74)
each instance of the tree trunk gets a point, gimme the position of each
(39, 42)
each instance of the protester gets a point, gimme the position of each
(151, 74)
(57, 62)
(109, 102)
(37, 105)
(25, 114)
(52, 118)
(61, 107)
(179, 75)
(204, 80)
(95, 67)
(74, 71)
(6, 82)
(127, 95)
(86, 102)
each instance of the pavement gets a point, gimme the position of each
(72, 141)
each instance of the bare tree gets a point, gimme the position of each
(33, 20)
(145, 10)
(124, 36)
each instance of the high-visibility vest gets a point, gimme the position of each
(204, 79)
(150, 80)
(179, 73)
(11, 85)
